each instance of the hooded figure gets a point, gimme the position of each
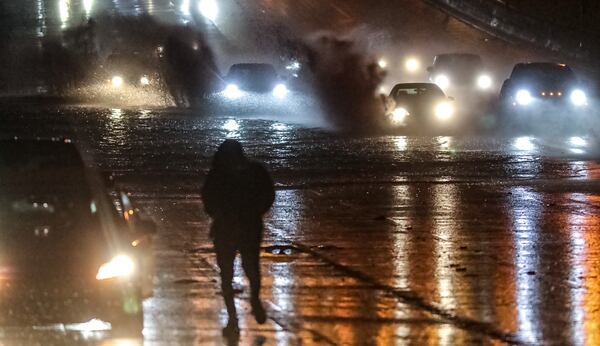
(236, 195)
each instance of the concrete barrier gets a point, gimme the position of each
(497, 19)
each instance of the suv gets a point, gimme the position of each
(534, 85)
(72, 251)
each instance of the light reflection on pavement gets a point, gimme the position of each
(372, 239)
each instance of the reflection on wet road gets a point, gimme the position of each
(372, 239)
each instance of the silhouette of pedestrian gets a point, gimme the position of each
(236, 195)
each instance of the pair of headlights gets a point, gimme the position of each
(233, 92)
(483, 82)
(578, 97)
(117, 81)
(443, 111)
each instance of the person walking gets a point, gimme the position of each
(236, 195)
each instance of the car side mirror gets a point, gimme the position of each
(430, 69)
(145, 227)
(451, 98)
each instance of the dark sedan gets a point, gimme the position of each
(253, 78)
(422, 105)
(71, 251)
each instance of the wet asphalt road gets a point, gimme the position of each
(376, 239)
(381, 239)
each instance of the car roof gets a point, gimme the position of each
(253, 66)
(59, 152)
(542, 64)
(528, 67)
(416, 85)
(465, 55)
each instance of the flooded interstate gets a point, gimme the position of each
(381, 239)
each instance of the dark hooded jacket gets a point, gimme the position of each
(236, 194)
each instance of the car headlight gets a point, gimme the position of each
(280, 91)
(484, 82)
(232, 91)
(578, 97)
(523, 97)
(119, 266)
(117, 81)
(144, 80)
(442, 81)
(412, 64)
(398, 115)
(444, 110)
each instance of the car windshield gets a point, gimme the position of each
(544, 74)
(409, 92)
(458, 62)
(252, 71)
(44, 184)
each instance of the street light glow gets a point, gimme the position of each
(185, 7)
(88, 5)
(64, 7)
(209, 9)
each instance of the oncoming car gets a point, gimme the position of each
(130, 69)
(540, 86)
(253, 78)
(422, 105)
(460, 71)
(71, 251)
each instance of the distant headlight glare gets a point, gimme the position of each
(412, 64)
(117, 81)
(484, 82)
(144, 80)
(119, 266)
(578, 97)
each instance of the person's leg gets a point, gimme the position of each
(251, 264)
(225, 259)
